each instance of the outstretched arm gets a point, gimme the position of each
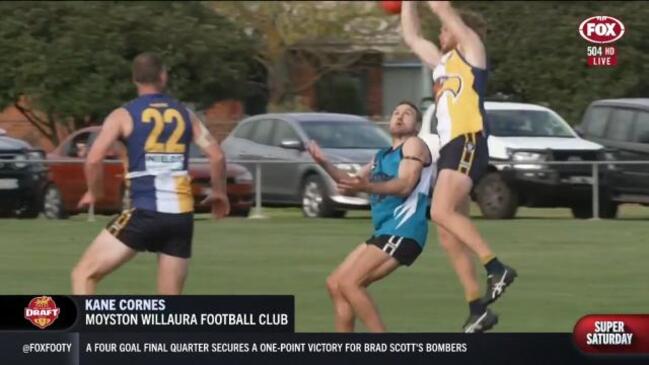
(415, 155)
(336, 174)
(468, 41)
(427, 52)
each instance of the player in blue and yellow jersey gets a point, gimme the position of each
(157, 131)
(399, 181)
(460, 76)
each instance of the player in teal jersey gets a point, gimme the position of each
(399, 182)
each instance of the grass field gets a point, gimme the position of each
(568, 268)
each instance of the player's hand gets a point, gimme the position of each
(354, 184)
(220, 204)
(315, 152)
(87, 200)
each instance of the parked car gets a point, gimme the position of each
(21, 182)
(622, 126)
(530, 133)
(348, 141)
(67, 183)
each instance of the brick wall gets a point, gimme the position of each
(17, 126)
(222, 117)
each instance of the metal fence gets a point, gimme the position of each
(257, 213)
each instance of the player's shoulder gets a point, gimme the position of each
(119, 113)
(415, 143)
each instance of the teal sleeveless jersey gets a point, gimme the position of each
(400, 216)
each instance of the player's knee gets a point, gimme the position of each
(439, 214)
(333, 285)
(348, 286)
(84, 271)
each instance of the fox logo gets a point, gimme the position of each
(452, 84)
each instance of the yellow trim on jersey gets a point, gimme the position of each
(468, 154)
(184, 191)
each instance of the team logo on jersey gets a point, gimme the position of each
(42, 311)
(601, 32)
(451, 84)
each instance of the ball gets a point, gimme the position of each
(391, 7)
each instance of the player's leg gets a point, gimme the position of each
(343, 311)
(174, 251)
(451, 190)
(461, 258)
(353, 285)
(380, 272)
(104, 255)
(172, 272)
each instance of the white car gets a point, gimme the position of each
(529, 133)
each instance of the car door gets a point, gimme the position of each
(617, 135)
(69, 176)
(113, 177)
(284, 178)
(256, 146)
(638, 150)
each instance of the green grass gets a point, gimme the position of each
(568, 268)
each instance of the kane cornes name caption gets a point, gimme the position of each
(227, 313)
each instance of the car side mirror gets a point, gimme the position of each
(291, 144)
(579, 130)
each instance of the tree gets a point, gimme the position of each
(66, 64)
(325, 36)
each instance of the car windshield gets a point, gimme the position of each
(526, 123)
(362, 135)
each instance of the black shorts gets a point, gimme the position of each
(404, 250)
(467, 154)
(147, 230)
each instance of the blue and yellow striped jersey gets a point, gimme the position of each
(158, 154)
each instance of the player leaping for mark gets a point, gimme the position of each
(157, 131)
(460, 75)
(398, 181)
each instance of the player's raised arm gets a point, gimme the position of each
(204, 140)
(320, 158)
(109, 134)
(468, 40)
(415, 157)
(427, 51)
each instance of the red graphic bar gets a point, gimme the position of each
(613, 334)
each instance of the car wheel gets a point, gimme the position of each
(315, 202)
(53, 204)
(496, 199)
(607, 210)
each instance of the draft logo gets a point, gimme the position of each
(42, 311)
